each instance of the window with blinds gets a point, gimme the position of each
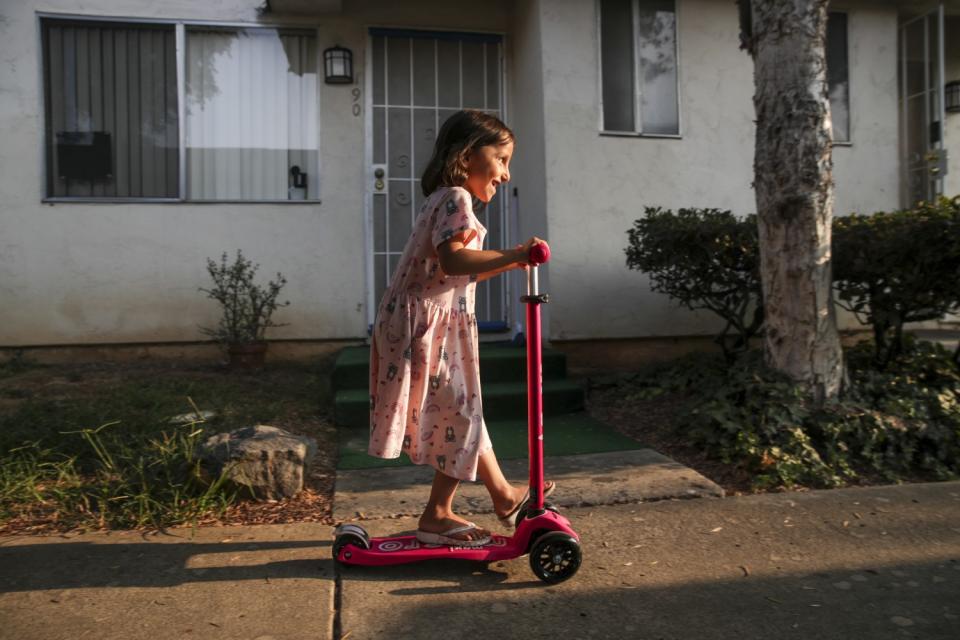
(251, 114)
(113, 112)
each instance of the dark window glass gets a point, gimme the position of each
(838, 80)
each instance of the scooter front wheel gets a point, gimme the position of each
(555, 557)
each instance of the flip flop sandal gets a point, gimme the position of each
(510, 520)
(446, 538)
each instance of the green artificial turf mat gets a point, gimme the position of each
(570, 434)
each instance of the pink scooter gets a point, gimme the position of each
(541, 532)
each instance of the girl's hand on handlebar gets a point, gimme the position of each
(524, 250)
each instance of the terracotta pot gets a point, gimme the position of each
(248, 356)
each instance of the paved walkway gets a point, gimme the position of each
(584, 480)
(847, 564)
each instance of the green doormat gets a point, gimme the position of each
(565, 435)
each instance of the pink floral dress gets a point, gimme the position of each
(424, 366)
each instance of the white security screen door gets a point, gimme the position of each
(418, 79)
(922, 107)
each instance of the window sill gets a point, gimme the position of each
(170, 201)
(627, 134)
(846, 143)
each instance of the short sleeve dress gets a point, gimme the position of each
(424, 366)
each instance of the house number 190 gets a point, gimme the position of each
(356, 102)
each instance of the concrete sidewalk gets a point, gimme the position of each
(848, 564)
(639, 475)
(269, 581)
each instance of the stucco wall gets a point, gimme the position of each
(107, 273)
(597, 185)
(528, 167)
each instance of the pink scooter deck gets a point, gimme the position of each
(404, 549)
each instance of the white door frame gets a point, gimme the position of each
(934, 185)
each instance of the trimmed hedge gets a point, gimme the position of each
(899, 267)
(704, 259)
(888, 268)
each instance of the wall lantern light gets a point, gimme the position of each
(338, 65)
(951, 95)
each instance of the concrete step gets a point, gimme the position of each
(570, 434)
(499, 362)
(501, 400)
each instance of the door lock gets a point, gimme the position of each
(378, 174)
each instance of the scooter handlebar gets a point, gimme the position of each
(539, 253)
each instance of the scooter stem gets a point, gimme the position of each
(533, 300)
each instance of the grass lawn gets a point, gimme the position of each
(53, 471)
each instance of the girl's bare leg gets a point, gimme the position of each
(505, 496)
(438, 517)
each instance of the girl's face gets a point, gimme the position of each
(487, 167)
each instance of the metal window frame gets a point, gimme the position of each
(508, 310)
(638, 86)
(180, 27)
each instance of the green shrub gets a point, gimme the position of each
(894, 268)
(704, 259)
(247, 308)
(903, 421)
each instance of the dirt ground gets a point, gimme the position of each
(652, 422)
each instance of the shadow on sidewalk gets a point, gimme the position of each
(880, 601)
(80, 564)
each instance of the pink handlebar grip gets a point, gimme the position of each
(539, 253)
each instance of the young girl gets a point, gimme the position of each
(424, 367)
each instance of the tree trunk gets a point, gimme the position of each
(794, 189)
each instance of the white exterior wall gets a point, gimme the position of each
(866, 173)
(114, 273)
(528, 166)
(598, 185)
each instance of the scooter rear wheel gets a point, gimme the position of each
(349, 534)
(555, 557)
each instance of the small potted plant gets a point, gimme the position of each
(247, 310)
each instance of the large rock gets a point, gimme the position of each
(269, 463)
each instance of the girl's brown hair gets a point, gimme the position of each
(463, 132)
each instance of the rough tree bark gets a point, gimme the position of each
(794, 189)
